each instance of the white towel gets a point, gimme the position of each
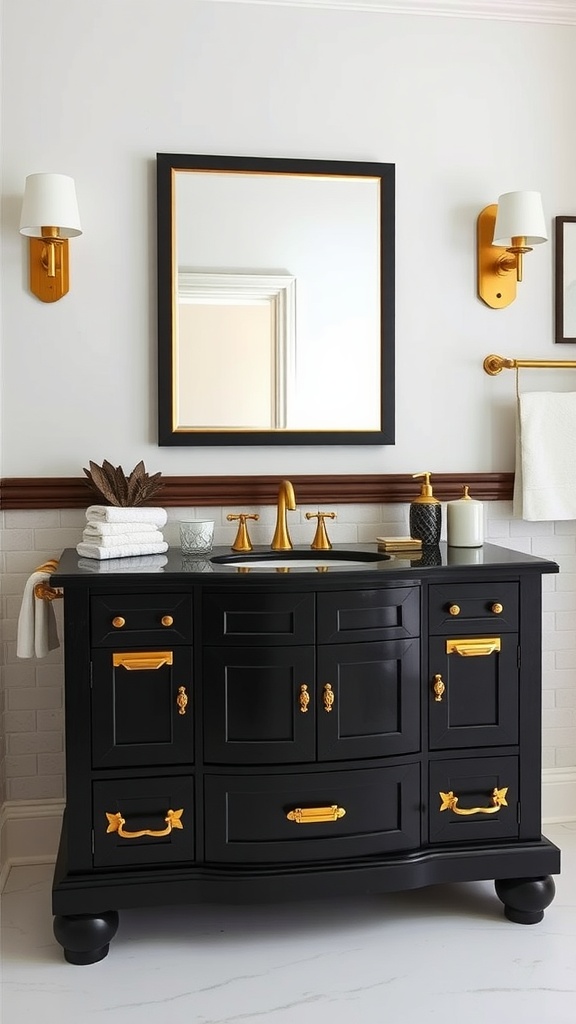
(37, 633)
(93, 536)
(120, 514)
(126, 551)
(545, 479)
(113, 529)
(139, 563)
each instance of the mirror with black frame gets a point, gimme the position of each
(275, 301)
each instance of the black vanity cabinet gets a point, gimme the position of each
(238, 736)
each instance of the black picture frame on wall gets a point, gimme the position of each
(565, 280)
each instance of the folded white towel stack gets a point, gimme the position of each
(37, 633)
(545, 482)
(119, 532)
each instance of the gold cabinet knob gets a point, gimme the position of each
(167, 620)
(454, 609)
(497, 608)
(118, 622)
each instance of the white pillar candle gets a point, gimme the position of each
(465, 522)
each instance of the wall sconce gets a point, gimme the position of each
(49, 217)
(505, 231)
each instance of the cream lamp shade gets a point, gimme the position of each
(50, 200)
(520, 215)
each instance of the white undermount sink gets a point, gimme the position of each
(306, 559)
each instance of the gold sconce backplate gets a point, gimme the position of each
(496, 286)
(46, 288)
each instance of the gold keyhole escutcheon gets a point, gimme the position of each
(438, 687)
(304, 698)
(328, 697)
(182, 700)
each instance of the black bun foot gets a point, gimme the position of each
(86, 937)
(525, 899)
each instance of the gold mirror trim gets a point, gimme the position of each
(116, 824)
(311, 815)
(475, 647)
(449, 802)
(136, 661)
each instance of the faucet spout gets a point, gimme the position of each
(286, 500)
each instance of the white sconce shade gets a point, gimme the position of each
(50, 200)
(520, 215)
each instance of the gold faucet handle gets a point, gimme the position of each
(242, 542)
(321, 542)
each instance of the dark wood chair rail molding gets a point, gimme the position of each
(185, 491)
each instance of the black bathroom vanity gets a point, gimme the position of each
(262, 732)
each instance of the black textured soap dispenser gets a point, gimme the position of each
(425, 514)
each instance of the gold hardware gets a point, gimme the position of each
(312, 815)
(438, 687)
(286, 500)
(304, 698)
(118, 622)
(43, 591)
(328, 697)
(49, 200)
(505, 232)
(242, 541)
(116, 823)
(449, 802)
(167, 620)
(454, 609)
(182, 700)
(49, 266)
(497, 608)
(135, 661)
(475, 647)
(495, 364)
(321, 542)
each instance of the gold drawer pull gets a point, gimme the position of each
(328, 697)
(475, 647)
(497, 608)
(116, 823)
(118, 622)
(449, 802)
(304, 698)
(438, 687)
(167, 620)
(136, 661)
(311, 815)
(182, 700)
(454, 609)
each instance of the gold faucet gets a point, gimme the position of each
(286, 500)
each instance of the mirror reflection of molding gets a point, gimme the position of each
(240, 361)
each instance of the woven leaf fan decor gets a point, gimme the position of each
(112, 484)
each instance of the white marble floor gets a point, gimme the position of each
(440, 954)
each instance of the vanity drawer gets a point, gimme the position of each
(462, 607)
(357, 615)
(146, 619)
(477, 814)
(144, 804)
(262, 618)
(246, 817)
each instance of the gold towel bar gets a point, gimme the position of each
(495, 364)
(43, 590)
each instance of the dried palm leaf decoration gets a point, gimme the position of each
(112, 484)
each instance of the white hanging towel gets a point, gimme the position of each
(545, 479)
(37, 633)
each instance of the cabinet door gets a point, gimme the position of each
(368, 699)
(259, 705)
(473, 691)
(142, 707)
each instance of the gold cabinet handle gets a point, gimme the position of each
(116, 824)
(497, 608)
(135, 661)
(118, 622)
(167, 620)
(454, 609)
(439, 688)
(474, 647)
(182, 700)
(449, 802)
(304, 698)
(328, 697)
(311, 815)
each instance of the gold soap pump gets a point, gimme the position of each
(425, 514)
